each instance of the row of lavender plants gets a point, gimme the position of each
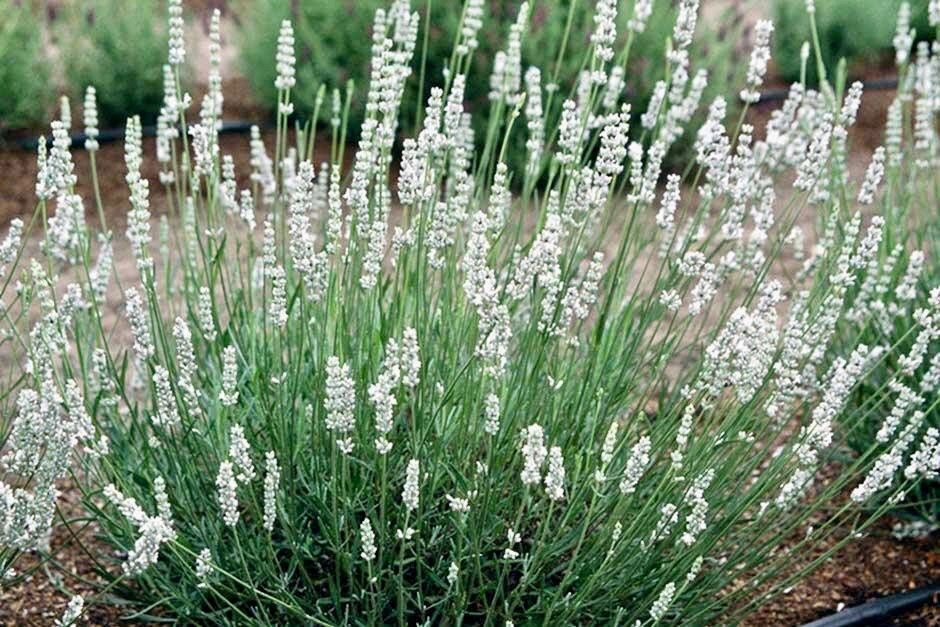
(416, 386)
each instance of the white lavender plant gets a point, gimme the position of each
(593, 388)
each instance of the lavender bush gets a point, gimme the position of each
(401, 392)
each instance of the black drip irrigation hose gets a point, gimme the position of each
(239, 126)
(879, 610)
(877, 84)
(117, 134)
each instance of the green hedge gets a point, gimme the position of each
(857, 30)
(26, 96)
(120, 48)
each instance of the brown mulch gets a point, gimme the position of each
(42, 590)
(867, 568)
(879, 562)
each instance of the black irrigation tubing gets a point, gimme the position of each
(117, 134)
(775, 95)
(239, 126)
(879, 610)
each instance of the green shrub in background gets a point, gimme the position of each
(845, 31)
(119, 47)
(332, 57)
(25, 95)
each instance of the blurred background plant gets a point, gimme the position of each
(860, 32)
(118, 47)
(93, 40)
(26, 95)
